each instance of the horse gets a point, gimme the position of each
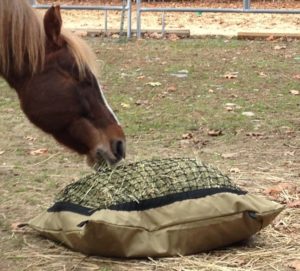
(54, 75)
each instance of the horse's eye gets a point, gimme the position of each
(88, 115)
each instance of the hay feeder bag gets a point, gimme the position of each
(154, 208)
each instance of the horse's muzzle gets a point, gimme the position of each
(119, 149)
(109, 157)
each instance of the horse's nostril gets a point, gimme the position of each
(118, 148)
(99, 153)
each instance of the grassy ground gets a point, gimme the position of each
(165, 115)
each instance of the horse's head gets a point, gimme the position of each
(52, 72)
(69, 103)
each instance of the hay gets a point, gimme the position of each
(142, 181)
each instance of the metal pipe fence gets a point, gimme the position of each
(246, 9)
(139, 10)
(127, 8)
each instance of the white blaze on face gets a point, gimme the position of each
(107, 105)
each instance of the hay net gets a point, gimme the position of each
(167, 180)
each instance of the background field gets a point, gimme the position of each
(183, 98)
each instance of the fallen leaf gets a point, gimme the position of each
(294, 204)
(276, 190)
(215, 133)
(125, 105)
(230, 104)
(8, 110)
(234, 170)
(17, 227)
(229, 155)
(115, 36)
(30, 138)
(154, 84)
(123, 74)
(163, 95)
(248, 114)
(39, 151)
(187, 136)
(295, 265)
(196, 141)
(181, 74)
(171, 89)
(294, 92)
(142, 102)
(183, 71)
(270, 38)
(173, 37)
(289, 153)
(155, 35)
(254, 134)
(279, 47)
(230, 75)
(262, 74)
(229, 108)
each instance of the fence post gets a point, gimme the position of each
(138, 19)
(105, 22)
(129, 18)
(246, 4)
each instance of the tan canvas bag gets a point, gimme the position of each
(181, 227)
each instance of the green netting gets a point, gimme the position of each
(143, 180)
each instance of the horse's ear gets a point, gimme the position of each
(52, 25)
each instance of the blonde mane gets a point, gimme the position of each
(84, 56)
(22, 41)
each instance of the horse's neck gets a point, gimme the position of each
(15, 81)
(14, 78)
